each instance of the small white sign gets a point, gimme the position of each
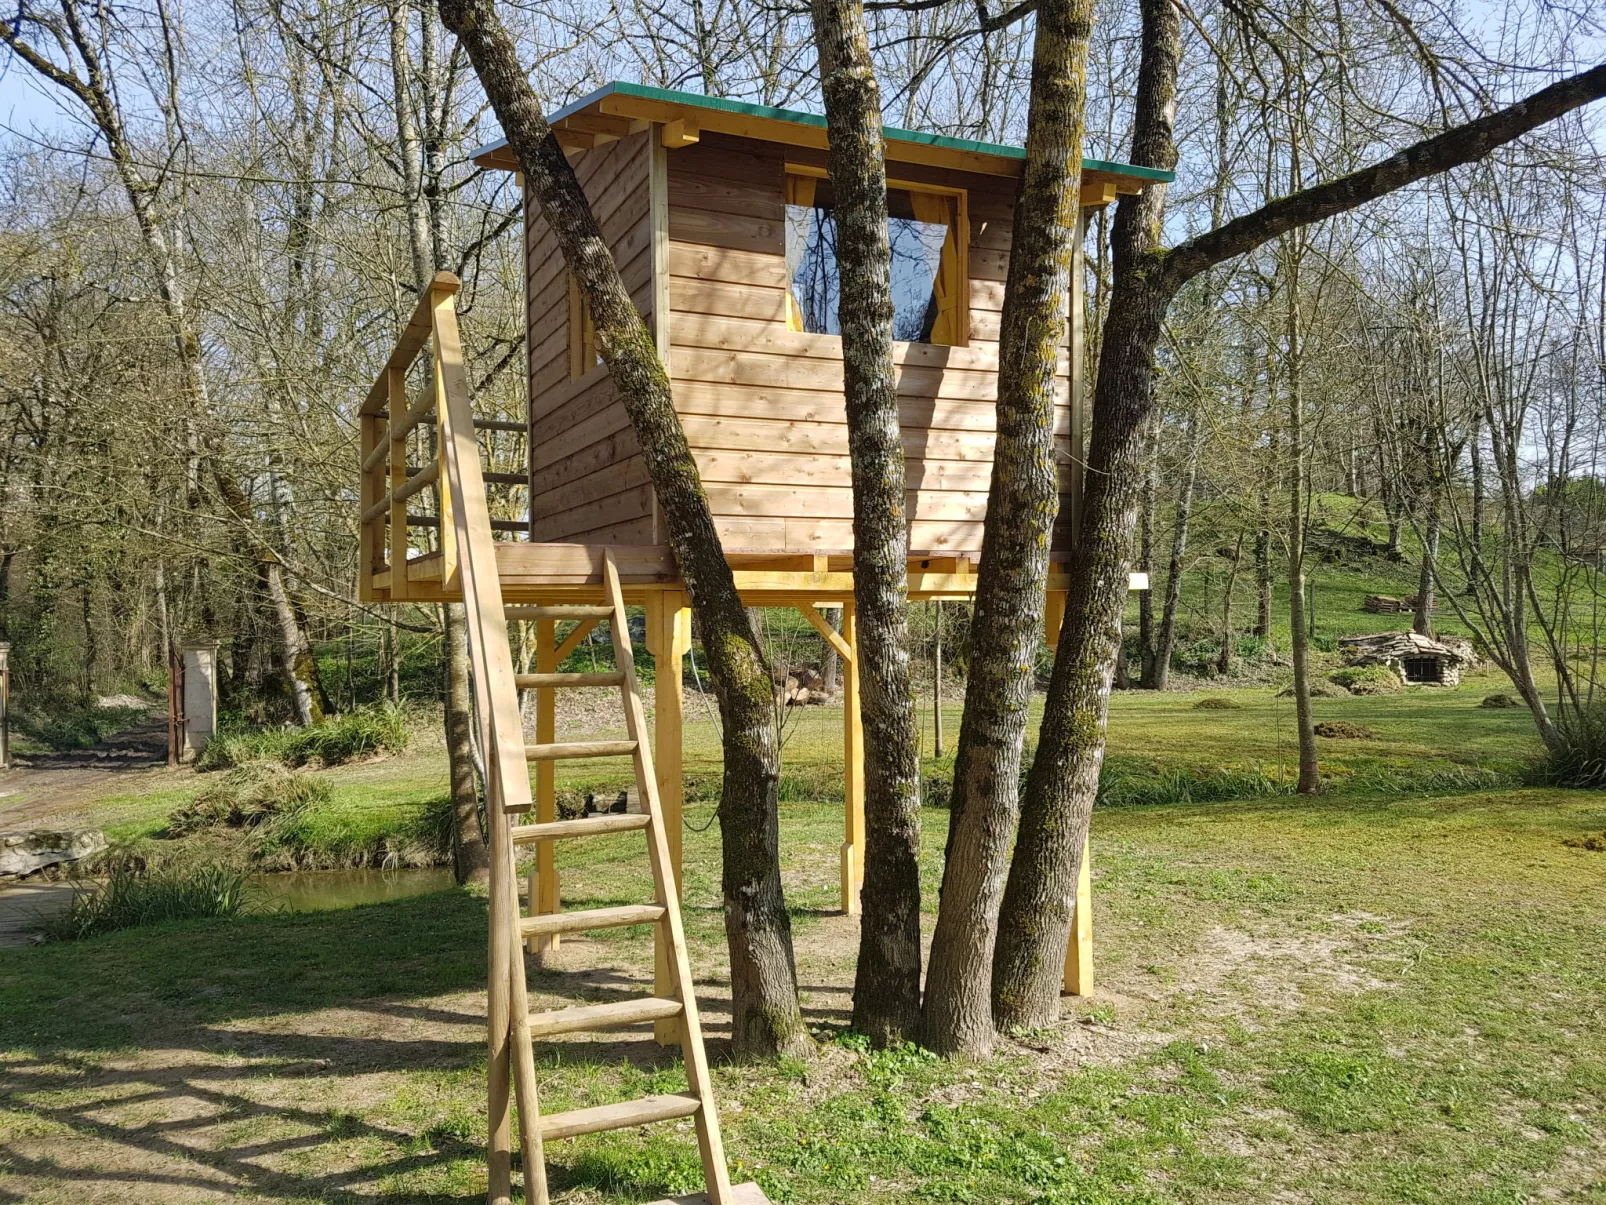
(1138, 581)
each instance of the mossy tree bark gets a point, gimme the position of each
(766, 1017)
(1021, 506)
(1063, 782)
(886, 987)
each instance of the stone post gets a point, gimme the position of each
(200, 698)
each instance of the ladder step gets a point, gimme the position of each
(602, 1016)
(589, 918)
(560, 752)
(590, 826)
(618, 1117)
(531, 681)
(571, 612)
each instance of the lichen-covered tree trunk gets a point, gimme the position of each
(766, 1017)
(1060, 790)
(886, 985)
(1041, 892)
(1310, 774)
(1021, 506)
(471, 854)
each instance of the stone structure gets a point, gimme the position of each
(22, 853)
(1416, 659)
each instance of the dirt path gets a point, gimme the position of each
(56, 790)
(52, 789)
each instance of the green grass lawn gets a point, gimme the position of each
(1379, 995)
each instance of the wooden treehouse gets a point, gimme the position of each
(719, 216)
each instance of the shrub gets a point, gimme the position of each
(363, 732)
(78, 724)
(1578, 759)
(1368, 680)
(1343, 730)
(1216, 703)
(1320, 688)
(132, 897)
(249, 796)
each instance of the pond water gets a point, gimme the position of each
(321, 890)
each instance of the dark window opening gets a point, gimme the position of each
(1424, 669)
(927, 282)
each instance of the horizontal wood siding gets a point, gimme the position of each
(589, 478)
(763, 406)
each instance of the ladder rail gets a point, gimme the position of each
(507, 778)
(693, 1053)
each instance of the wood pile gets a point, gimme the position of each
(802, 687)
(1382, 604)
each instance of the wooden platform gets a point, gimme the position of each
(746, 1194)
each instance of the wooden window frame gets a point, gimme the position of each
(961, 233)
(582, 333)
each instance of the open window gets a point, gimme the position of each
(583, 355)
(929, 271)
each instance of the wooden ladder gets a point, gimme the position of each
(511, 1028)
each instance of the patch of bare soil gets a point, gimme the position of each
(1245, 974)
(49, 790)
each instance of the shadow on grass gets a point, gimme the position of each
(158, 1064)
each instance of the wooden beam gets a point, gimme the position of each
(680, 132)
(832, 637)
(413, 337)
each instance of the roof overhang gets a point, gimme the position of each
(619, 109)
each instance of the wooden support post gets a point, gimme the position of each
(668, 640)
(396, 383)
(852, 768)
(370, 549)
(1079, 950)
(544, 896)
(1079, 945)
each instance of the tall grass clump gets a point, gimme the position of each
(132, 896)
(1142, 786)
(362, 732)
(1578, 759)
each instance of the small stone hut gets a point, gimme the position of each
(1415, 658)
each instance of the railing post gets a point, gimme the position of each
(396, 384)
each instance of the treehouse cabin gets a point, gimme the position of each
(720, 217)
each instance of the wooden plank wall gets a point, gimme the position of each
(590, 482)
(762, 405)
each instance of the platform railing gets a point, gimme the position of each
(388, 483)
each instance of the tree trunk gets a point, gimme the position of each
(886, 986)
(1422, 619)
(830, 663)
(1022, 503)
(1148, 501)
(300, 669)
(471, 855)
(1224, 658)
(1310, 777)
(766, 1018)
(1167, 640)
(1063, 782)
(1041, 893)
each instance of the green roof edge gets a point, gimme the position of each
(797, 116)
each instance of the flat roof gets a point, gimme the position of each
(611, 110)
